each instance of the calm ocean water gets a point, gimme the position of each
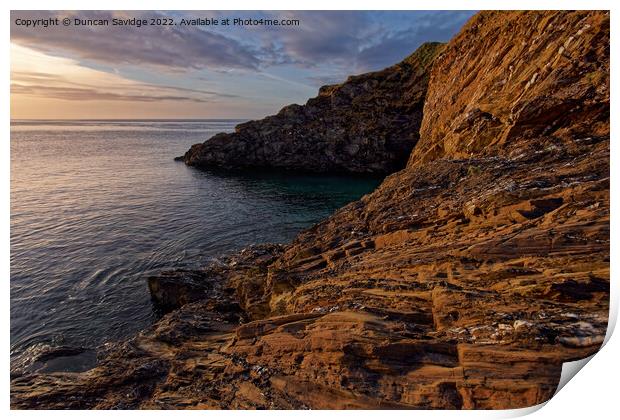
(97, 206)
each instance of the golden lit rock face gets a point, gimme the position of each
(463, 281)
(514, 75)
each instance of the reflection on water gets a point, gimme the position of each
(96, 206)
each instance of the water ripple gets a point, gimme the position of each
(96, 206)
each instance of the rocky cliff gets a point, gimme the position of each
(547, 78)
(368, 124)
(463, 281)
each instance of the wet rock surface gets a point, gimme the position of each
(368, 124)
(173, 289)
(463, 281)
(54, 358)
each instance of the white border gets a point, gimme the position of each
(591, 395)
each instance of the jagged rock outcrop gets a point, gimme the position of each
(463, 281)
(368, 124)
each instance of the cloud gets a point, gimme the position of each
(325, 79)
(333, 36)
(355, 41)
(393, 46)
(351, 40)
(90, 94)
(173, 47)
(65, 79)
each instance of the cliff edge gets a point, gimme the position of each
(368, 124)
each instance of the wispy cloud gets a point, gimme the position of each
(92, 94)
(65, 79)
(391, 46)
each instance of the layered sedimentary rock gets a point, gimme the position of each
(463, 281)
(549, 80)
(368, 124)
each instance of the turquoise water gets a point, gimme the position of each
(97, 206)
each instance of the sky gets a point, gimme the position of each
(180, 71)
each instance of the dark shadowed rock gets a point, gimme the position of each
(368, 124)
(173, 289)
(240, 274)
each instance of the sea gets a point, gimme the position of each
(98, 206)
